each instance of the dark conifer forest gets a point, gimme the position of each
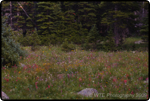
(82, 23)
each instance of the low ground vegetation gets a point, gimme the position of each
(50, 73)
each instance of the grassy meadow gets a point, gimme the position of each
(49, 73)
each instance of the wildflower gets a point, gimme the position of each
(7, 79)
(132, 92)
(127, 75)
(80, 79)
(48, 86)
(36, 83)
(68, 75)
(140, 78)
(125, 81)
(114, 79)
(89, 79)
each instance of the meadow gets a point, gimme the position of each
(50, 73)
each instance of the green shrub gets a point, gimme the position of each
(92, 38)
(31, 38)
(11, 50)
(145, 38)
(108, 44)
(45, 40)
(34, 40)
(86, 46)
(50, 39)
(67, 47)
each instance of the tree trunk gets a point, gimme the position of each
(116, 30)
(116, 34)
(143, 10)
(11, 14)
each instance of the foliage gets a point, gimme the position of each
(144, 29)
(86, 14)
(118, 15)
(94, 41)
(92, 38)
(35, 40)
(145, 38)
(56, 21)
(45, 40)
(109, 44)
(31, 39)
(11, 50)
(67, 47)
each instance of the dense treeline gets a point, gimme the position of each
(87, 23)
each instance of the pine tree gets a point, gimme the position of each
(120, 16)
(70, 23)
(50, 22)
(86, 14)
(93, 35)
(144, 29)
(11, 50)
(45, 17)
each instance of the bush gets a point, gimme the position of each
(11, 50)
(92, 38)
(35, 40)
(67, 47)
(145, 38)
(31, 39)
(45, 40)
(109, 44)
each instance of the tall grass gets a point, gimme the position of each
(50, 73)
(129, 44)
(132, 40)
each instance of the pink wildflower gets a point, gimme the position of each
(132, 92)
(80, 79)
(125, 81)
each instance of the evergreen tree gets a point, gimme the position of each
(93, 35)
(50, 21)
(92, 39)
(71, 29)
(121, 16)
(11, 50)
(86, 14)
(144, 29)
(45, 17)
